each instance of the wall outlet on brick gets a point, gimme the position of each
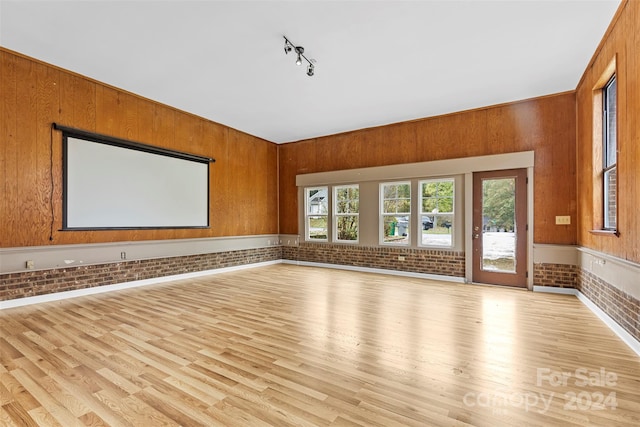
(400, 258)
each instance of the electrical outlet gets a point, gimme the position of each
(123, 255)
(563, 220)
(30, 265)
(400, 258)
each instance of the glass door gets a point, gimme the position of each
(499, 232)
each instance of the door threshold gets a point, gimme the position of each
(493, 285)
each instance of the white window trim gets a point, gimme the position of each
(607, 167)
(420, 213)
(382, 214)
(308, 214)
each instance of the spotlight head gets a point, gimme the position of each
(299, 51)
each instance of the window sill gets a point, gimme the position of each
(615, 233)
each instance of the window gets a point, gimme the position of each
(316, 213)
(346, 202)
(436, 212)
(395, 207)
(609, 157)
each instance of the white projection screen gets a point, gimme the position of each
(116, 184)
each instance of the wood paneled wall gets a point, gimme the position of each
(622, 42)
(545, 125)
(33, 95)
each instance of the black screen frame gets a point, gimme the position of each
(93, 137)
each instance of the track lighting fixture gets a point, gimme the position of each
(299, 50)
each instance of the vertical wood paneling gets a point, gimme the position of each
(389, 145)
(26, 185)
(633, 88)
(48, 109)
(545, 125)
(451, 136)
(243, 176)
(77, 109)
(7, 126)
(623, 43)
(33, 95)
(10, 219)
(288, 195)
(116, 113)
(189, 134)
(216, 135)
(3, 149)
(260, 190)
(346, 153)
(555, 169)
(77, 102)
(273, 211)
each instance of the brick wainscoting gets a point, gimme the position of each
(620, 306)
(32, 283)
(444, 263)
(558, 275)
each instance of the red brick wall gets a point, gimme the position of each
(32, 283)
(620, 306)
(445, 263)
(558, 275)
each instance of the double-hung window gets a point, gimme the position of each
(609, 155)
(436, 212)
(316, 200)
(395, 213)
(346, 202)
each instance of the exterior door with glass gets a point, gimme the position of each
(499, 231)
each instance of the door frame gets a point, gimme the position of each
(518, 277)
(468, 220)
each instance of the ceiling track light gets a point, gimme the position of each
(299, 50)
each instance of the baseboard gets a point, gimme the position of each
(57, 296)
(625, 336)
(555, 290)
(377, 270)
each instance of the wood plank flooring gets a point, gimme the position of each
(288, 345)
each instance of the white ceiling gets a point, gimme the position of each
(378, 62)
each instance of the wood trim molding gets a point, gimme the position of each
(435, 168)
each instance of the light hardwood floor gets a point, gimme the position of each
(288, 345)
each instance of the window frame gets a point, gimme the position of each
(337, 215)
(421, 213)
(308, 215)
(383, 214)
(609, 145)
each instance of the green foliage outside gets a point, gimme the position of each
(347, 228)
(396, 198)
(318, 228)
(499, 203)
(437, 197)
(437, 200)
(347, 202)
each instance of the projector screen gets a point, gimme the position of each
(117, 184)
